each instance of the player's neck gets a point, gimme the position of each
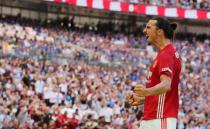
(162, 43)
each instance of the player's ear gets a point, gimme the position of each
(160, 32)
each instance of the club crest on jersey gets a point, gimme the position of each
(177, 55)
(148, 77)
(149, 74)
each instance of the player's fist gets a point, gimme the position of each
(133, 100)
(141, 91)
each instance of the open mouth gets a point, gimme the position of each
(147, 36)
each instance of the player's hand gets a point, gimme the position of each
(133, 100)
(141, 91)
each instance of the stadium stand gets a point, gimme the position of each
(189, 4)
(188, 9)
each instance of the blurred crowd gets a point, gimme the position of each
(189, 4)
(51, 77)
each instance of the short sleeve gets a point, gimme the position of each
(166, 66)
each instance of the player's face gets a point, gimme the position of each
(151, 31)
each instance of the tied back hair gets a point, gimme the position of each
(167, 27)
(174, 27)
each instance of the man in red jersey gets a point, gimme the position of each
(160, 96)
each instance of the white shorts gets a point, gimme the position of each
(165, 123)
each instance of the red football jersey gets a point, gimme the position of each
(165, 105)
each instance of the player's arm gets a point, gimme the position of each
(160, 88)
(134, 100)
